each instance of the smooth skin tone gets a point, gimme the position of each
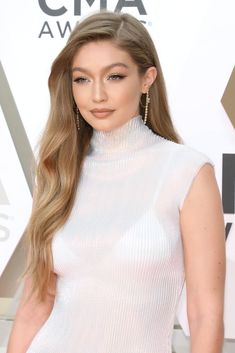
(202, 226)
(29, 318)
(105, 77)
(99, 83)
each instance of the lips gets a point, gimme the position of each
(102, 113)
(101, 110)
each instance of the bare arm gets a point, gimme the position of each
(202, 226)
(29, 318)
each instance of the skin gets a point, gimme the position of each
(203, 234)
(97, 85)
(30, 317)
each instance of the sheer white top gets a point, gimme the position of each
(119, 258)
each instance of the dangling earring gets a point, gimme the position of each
(77, 119)
(146, 107)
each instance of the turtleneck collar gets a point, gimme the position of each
(130, 136)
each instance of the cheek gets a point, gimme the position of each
(79, 95)
(128, 92)
(74, 91)
(130, 95)
(125, 93)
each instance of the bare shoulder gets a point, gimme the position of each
(202, 210)
(204, 194)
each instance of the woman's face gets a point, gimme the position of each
(106, 84)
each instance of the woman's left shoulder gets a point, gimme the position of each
(188, 156)
(186, 162)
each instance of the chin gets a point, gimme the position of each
(103, 125)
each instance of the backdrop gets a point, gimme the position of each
(195, 44)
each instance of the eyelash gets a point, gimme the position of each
(83, 79)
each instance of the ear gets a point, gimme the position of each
(148, 78)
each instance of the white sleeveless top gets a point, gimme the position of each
(119, 257)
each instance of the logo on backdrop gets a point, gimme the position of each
(228, 189)
(24, 154)
(228, 174)
(60, 29)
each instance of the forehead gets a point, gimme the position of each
(101, 53)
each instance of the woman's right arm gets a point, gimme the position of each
(30, 316)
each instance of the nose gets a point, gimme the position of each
(99, 93)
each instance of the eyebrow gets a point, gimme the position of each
(81, 69)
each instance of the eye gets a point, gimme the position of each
(80, 80)
(116, 77)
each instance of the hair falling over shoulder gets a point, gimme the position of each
(62, 148)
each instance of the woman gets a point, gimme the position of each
(122, 213)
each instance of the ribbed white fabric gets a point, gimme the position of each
(119, 257)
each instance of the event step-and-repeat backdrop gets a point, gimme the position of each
(195, 44)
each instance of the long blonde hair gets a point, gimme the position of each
(62, 148)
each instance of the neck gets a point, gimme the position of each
(129, 137)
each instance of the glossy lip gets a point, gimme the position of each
(101, 113)
(101, 110)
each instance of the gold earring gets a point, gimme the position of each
(77, 119)
(146, 107)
